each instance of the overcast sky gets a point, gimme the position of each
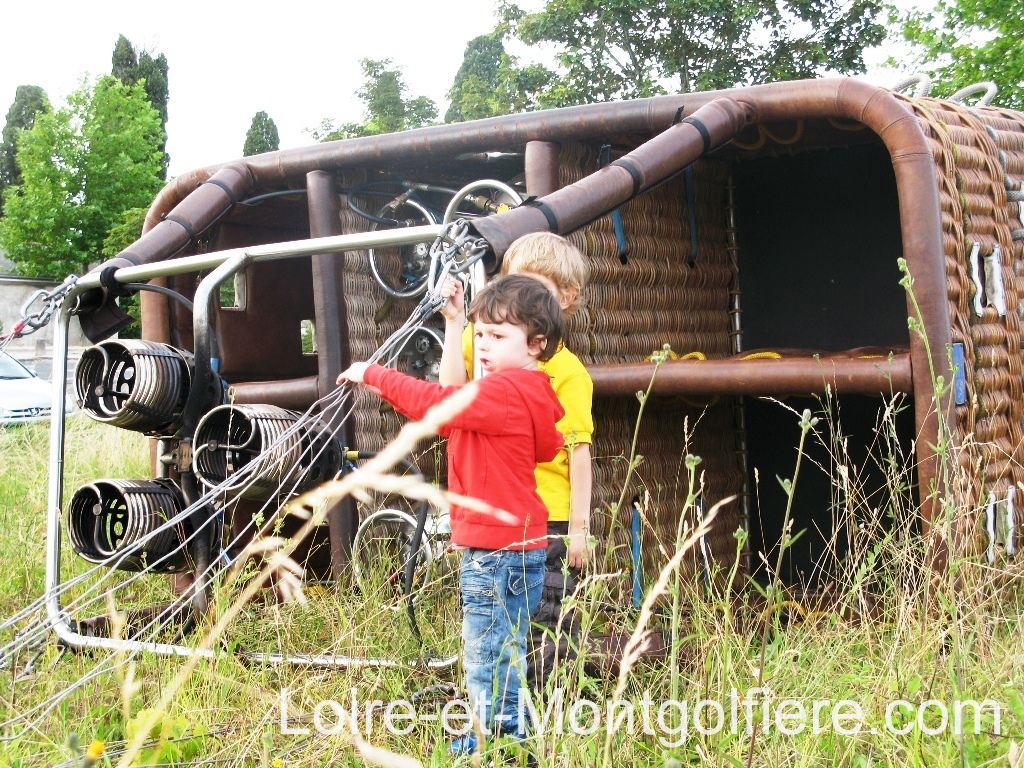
(297, 60)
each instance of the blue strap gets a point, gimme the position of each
(620, 236)
(634, 543)
(959, 374)
(621, 243)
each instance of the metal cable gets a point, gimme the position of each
(279, 436)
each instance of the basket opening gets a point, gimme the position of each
(819, 237)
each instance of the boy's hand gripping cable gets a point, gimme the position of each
(452, 254)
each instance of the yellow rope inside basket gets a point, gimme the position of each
(695, 355)
(675, 356)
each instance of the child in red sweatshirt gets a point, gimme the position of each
(494, 445)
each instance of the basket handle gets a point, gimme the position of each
(921, 80)
(987, 89)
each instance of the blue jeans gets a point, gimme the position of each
(500, 590)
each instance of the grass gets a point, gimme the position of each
(897, 633)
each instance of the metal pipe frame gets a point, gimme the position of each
(879, 110)
(330, 317)
(193, 200)
(786, 376)
(257, 253)
(200, 396)
(225, 264)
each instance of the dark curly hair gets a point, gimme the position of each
(522, 301)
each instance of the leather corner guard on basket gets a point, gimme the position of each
(164, 236)
(565, 210)
(787, 376)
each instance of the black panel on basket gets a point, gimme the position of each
(819, 236)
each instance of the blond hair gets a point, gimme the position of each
(550, 255)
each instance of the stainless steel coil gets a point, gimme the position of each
(125, 524)
(280, 452)
(134, 384)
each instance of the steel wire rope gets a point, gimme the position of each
(427, 306)
(117, 658)
(112, 561)
(26, 639)
(109, 566)
(397, 340)
(155, 625)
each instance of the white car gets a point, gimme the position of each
(23, 395)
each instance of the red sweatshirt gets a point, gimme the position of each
(493, 447)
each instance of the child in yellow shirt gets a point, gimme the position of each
(564, 484)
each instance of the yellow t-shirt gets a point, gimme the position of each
(575, 391)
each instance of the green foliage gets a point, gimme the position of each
(169, 740)
(131, 67)
(382, 93)
(387, 108)
(153, 72)
(614, 49)
(124, 61)
(82, 166)
(29, 100)
(262, 135)
(903, 635)
(963, 42)
(476, 81)
(491, 82)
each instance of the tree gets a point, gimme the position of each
(125, 231)
(386, 107)
(29, 100)
(124, 62)
(261, 136)
(476, 81)
(82, 167)
(614, 49)
(492, 82)
(131, 67)
(963, 42)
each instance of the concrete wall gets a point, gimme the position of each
(36, 349)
